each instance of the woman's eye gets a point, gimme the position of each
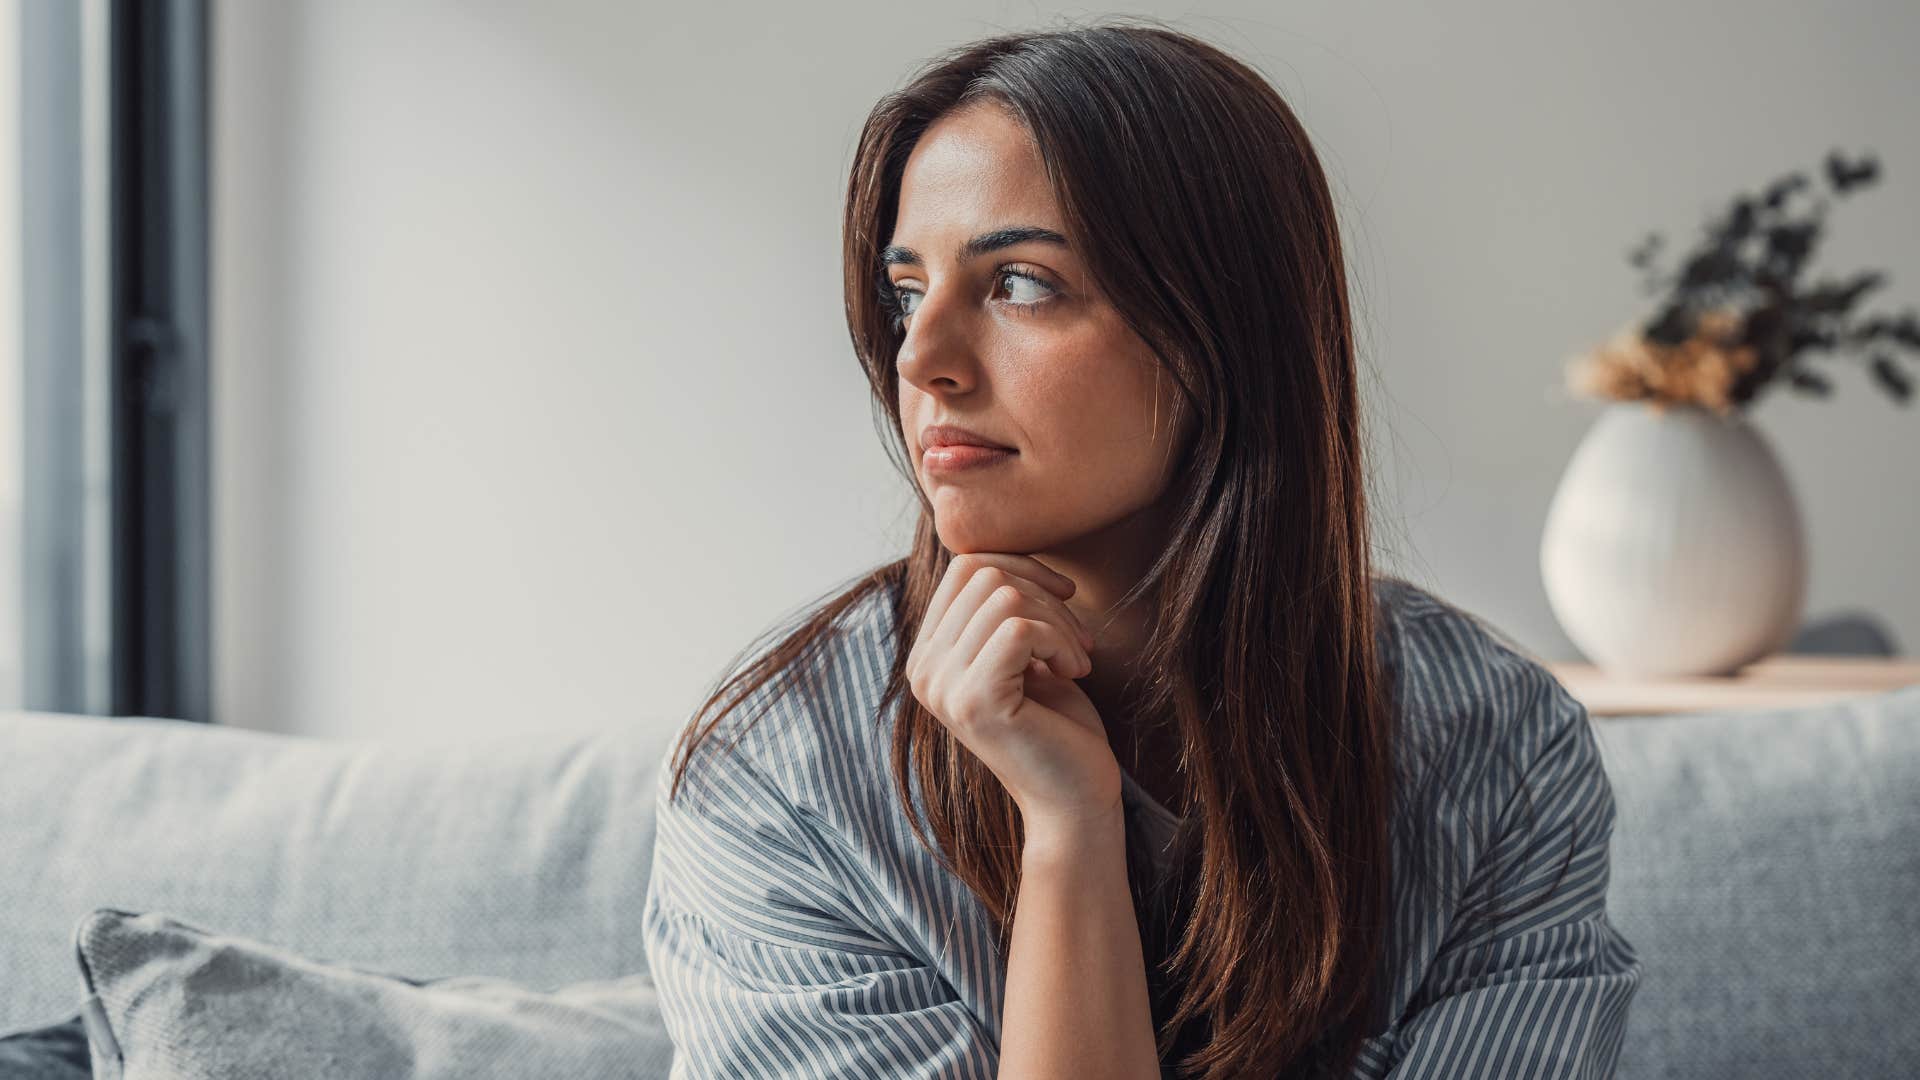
(1034, 297)
(906, 301)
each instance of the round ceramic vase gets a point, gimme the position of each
(1673, 545)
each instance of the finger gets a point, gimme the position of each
(1057, 589)
(1016, 643)
(963, 590)
(1067, 616)
(1038, 669)
(974, 591)
(1009, 603)
(956, 600)
(1016, 569)
(958, 572)
(1033, 569)
(1025, 566)
(1043, 668)
(990, 590)
(1069, 622)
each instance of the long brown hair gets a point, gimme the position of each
(1193, 196)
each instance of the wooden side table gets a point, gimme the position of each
(1779, 680)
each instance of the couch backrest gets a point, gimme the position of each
(1766, 867)
(521, 856)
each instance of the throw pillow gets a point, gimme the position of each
(55, 1051)
(168, 999)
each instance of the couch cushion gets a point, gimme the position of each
(521, 856)
(1765, 867)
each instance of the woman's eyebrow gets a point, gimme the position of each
(979, 245)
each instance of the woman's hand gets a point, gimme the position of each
(995, 660)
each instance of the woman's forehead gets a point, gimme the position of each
(976, 162)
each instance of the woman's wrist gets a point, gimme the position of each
(1053, 840)
(1076, 990)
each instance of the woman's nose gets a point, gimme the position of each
(936, 347)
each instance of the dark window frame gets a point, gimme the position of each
(117, 528)
(159, 309)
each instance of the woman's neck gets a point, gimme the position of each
(1104, 565)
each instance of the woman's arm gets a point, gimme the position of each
(1076, 993)
(764, 961)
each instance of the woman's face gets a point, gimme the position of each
(1017, 344)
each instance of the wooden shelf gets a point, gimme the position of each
(1776, 681)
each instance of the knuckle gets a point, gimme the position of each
(959, 718)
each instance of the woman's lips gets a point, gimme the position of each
(955, 457)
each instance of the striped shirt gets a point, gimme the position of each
(796, 928)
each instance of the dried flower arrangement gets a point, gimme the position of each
(1735, 319)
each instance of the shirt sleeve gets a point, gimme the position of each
(1542, 991)
(764, 966)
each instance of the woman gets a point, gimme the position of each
(1134, 763)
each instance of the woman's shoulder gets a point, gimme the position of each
(814, 731)
(1467, 693)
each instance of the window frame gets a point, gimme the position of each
(116, 538)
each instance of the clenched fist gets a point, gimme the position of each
(995, 661)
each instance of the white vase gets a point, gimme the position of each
(1674, 545)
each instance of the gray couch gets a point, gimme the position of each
(1765, 865)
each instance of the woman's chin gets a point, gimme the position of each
(964, 539)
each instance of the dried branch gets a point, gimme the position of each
(1735, 319)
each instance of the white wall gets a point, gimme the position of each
(535, 395)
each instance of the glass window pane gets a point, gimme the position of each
(54, 465)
